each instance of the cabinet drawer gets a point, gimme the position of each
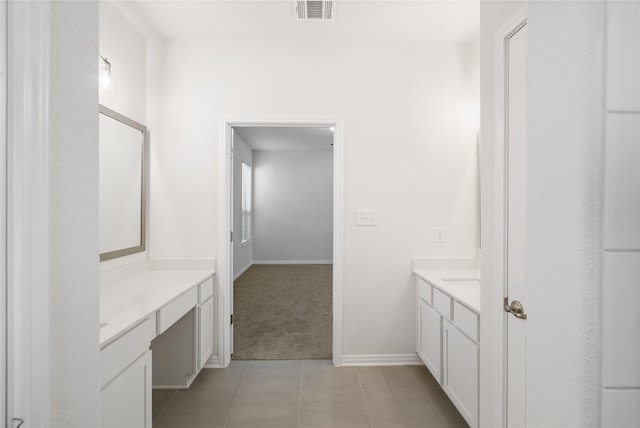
(442, 303)
(175, 309)
(206, 290)
(424, 290)
(118, 355)
(466, 320)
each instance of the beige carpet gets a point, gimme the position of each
(283, 312)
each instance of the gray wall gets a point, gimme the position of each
(293, 206)
(242, 254)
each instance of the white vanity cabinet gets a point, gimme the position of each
(460, 371)
(126, 401)
(157, 332)
(125, 370)
(430, 338)
(447, 339)
(205, 322)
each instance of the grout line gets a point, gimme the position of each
(164, 408)
(364, 397)
(300, 396)
(424, 390)
(235, 400)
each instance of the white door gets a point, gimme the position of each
(516, 286)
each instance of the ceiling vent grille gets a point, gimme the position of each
(323, 10)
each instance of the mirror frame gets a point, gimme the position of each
(145, 175)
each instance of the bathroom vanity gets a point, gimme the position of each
(159, 316)
(448, 333)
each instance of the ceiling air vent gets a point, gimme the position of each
(324, 10)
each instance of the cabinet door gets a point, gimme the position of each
(430, 339)
(125, 402)
(205, 328)
(460, 372)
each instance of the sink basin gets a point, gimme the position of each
(103, 324)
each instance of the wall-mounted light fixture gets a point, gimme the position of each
(106, 81)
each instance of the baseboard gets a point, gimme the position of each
(382, 360)
(293, 262)
(242, 270)
(213, 363)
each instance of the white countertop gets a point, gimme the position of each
(125, 302)
(461, 284)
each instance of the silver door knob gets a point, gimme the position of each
(515, 308)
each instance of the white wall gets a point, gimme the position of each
(126, 49)
(564, 174)
(293, 206)
(242, 253)
(73, 176)
(565, 138)
(409, 153)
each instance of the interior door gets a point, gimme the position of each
(516, 263)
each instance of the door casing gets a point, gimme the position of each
(494, 397)
(223, 263)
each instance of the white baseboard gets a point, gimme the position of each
(242, 270)
(382, 360)
(292, 262)
(213, 363)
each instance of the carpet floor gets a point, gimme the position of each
(283, 312)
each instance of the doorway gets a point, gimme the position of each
(282, 246)
(225, 269)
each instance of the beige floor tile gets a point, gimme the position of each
(321, 408)
(401, 408)
(159, 400)
(228, 379)
(321, 374)
(273, 376)
(195, 410)
(390, 378)
(425, 377)
(446, 409)
(265, 410)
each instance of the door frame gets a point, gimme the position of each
(25, 205)
(223, 268)
(499, 284)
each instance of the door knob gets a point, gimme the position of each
(514, 308)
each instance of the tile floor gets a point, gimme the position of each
(262, 394)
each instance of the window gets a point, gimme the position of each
(246, 203)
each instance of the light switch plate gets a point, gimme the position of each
(366, 218)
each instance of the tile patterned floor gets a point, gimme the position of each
(309, 394)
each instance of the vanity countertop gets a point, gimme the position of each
(125, 302)
(461, 284)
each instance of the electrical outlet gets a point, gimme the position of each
(439, 235)
(366, 218)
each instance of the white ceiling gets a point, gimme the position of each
(280, 138)
(454, 21)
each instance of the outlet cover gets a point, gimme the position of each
(366, 217)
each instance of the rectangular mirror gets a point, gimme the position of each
(124, 148)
